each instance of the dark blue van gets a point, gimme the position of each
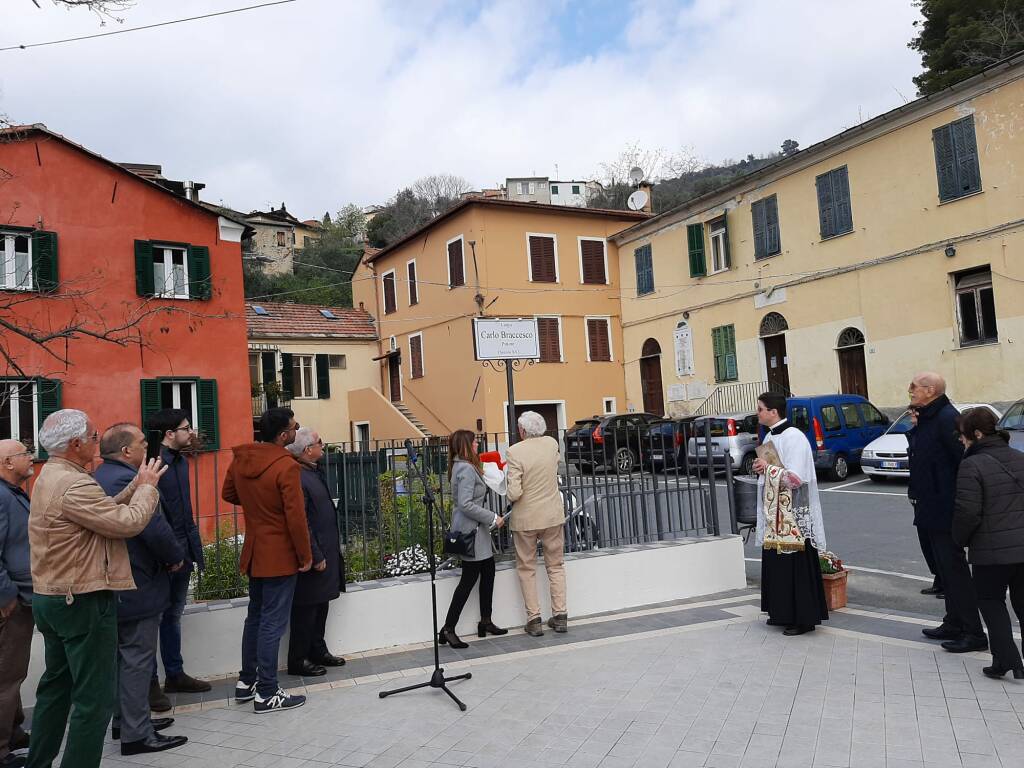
(838, 427)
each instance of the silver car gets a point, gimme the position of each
(732, 434)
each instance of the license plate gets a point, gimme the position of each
(658, 456)
(890, 465)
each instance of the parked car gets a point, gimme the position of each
(886, 456)
(838, 427)
(1013, 422)
(732, 434)
(664, 446)
(608, 441)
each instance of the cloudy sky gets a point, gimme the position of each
(323, 102)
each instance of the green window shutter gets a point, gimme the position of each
(966, 146)
(198, 272)
(841, 195)
(773, 240)
(144, 282)
(945, 162)
(323, 377)
(208, 413)
(695, 241)
(731, 372)
(826, 206)
(760, 227)
(48, 393)
(44, 261)
(716, 351)
(287, 377)
(150, 399)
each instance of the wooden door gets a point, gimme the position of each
(777, 363)
(650, 385)
(395, 378)
(853, 375)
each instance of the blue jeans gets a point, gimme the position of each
(170, 626)
(270, 604)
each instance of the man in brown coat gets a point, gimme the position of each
(538, 514)
(265, 479)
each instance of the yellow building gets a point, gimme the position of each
(892, 247)
(309, 358)
(498, 258)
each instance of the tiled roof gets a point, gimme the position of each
(303, 321)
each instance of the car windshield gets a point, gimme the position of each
(663, 427)
(901, 426)
(1014, 418)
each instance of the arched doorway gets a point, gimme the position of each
(650, 378)
(773, 336)
(853, 374)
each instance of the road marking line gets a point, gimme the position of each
(866, 570)
(846, 485)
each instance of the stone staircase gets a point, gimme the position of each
(404, 410)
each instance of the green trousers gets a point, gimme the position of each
(80, 642)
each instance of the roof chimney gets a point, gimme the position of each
(649, 189)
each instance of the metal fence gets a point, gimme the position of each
(629, 486)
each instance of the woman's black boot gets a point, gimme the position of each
(488, 627)
(448, 637)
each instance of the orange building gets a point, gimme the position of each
(118, 297)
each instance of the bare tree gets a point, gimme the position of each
(105, 9)
(657, 164)
(440, 190)
(999, 34)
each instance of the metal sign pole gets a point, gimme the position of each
(513, 429)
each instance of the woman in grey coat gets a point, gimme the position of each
(469, 514)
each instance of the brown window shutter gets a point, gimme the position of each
(597, 331)
(416, 353)
(455, 264)
(390, 304)
(542, 259)
(550, 349)
(414, 289)
(593, 262)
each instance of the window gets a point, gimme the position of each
(644, 270)
(456, 263)
(830, 418)
(254, 369)
(16, 261)
(24, 403)
(608, 405)
(543, 258)
(851, 415)
(170, 272)
(416, 355)
(723, 347)
(554, 189)
(695, 249)
(549, 331)
(798, 418)
(198, 397)
(719, 246)
(303, 376)
(575, 189)
(976, 307)
(872, 416)
(524, 188)
(599, 345)
(306, 241)
(767, 241)
(593, 261)
(683, 338)
(280, 240)
(414, 288)
(835, 216)
(388, 285)
(956, 159)
(337, 362)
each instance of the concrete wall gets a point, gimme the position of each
(386, 422)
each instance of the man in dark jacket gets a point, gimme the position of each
(265, 480)
(153, 553)
(935, 453)
(172, 427)
(308, 655)
(15, 597)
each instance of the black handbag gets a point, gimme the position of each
(459, 543)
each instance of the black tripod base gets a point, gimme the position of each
(437, 680)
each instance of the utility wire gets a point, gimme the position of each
(146, 26)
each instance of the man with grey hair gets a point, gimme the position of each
(537, 515)
(79, 562)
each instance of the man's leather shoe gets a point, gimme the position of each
(931, 591)
(329, 660)
(559, 622)
(942, 632)
(308, 669)
(794, 631)
(185, 684)
(20, 740)
(158, 701)
(159, 724)
(534, 627)
(158, 743)
(12, 761)
(966, 644)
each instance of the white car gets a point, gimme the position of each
(886, 456)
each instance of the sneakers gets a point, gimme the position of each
(244, 692)
(276, 702)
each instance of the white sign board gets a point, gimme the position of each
(496, 338)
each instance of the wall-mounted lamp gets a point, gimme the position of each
(950, 251)
(686, 315)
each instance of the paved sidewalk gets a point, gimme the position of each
(699, 683)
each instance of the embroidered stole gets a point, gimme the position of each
(781, 531)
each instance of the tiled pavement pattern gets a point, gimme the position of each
(697, 683)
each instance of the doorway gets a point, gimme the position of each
(776, 361)
(650, 378)
(549, 412)
(853, 374)
(395, 377)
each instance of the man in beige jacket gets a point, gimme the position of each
(79, 559)
(538, 514)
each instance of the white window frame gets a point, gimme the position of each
(296, 359)
(162, 291)
(423, 357)
(8, 269)
(561, 338)
(410, 284)
(579, 252)
(10, 385)
(176, 397)
(524, 187)
(355, 433)
(605, 402)
(383, 293)
(343, 362)
(529, 259)
(586, 333)
(717, 234)
(448, 266)
(976, 290)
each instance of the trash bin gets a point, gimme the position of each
(744, 494)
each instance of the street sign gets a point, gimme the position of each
(498, 338)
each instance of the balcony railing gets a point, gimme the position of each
(264, 397)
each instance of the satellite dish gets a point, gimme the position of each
(637, 200)
(636, 174)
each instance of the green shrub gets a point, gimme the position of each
(221, 580)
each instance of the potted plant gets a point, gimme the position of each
(833, 577)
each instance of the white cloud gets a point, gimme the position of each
(319, 102)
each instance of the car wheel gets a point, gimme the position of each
(747, 465)
(840, 469)
(878, 478)
(624, 461)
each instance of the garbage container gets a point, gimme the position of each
(744, 490)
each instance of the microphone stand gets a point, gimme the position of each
(437, 679)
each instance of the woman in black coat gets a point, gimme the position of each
(307, 649)
(989, 520)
